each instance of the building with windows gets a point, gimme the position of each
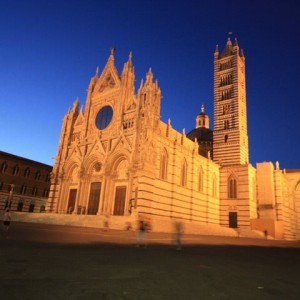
(116, 157)
(24, 183)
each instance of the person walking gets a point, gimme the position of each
(141, 234)
(6, 221)
(178, 230)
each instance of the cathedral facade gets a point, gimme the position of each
(117, 158)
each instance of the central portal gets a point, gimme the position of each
(120, 200)
(94, 198)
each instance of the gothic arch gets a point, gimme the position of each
(93, 164)
(232, 186)
(114, 161)
(70, 170)
(163, 170)
(183, 173)
(200, 179)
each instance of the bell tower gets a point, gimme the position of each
(230, 113)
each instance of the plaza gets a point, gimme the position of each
(41, 261)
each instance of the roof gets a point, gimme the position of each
(202, 134)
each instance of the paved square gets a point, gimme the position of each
(41, 261)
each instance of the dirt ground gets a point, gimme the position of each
(41, 261)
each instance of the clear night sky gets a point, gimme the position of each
(50, 50)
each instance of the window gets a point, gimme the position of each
(226, 109)
(3, 167)
(34, 191)
(104, 117)
(16, 170)
(20, 205)
(1, 185)
(23, 189)
(164, 165)
(232, 188)
(226, 138)
(37, 175)
(47, 178)
(226, 124)
(45, 194)
(183, 177)
(26, 172)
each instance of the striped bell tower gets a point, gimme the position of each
(230, 111)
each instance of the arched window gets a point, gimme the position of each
(23, 189)
(3, 167)
(34, 191)
(47, 179)
(37, 175)
(232, 188)
(183, 177)
(226, 124)
(164, 165)
(45, 193)
(226, 138)
(16, 170)
(26, 172)
(200, 180)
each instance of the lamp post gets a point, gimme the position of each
(11, 192)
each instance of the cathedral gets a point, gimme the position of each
(117, 158)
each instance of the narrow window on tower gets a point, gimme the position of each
(226, 124)
(232, 188)
(226, 138)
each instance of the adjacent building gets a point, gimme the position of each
(24, 183)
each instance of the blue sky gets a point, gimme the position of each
(50, 50)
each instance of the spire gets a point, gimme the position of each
(130, 59)
(217, 49)
(202, 120)
(202, 109)
(112, 51)
(112, 54)
(228, 50)
(128, 65)
(242, 53)
(235, 42)
(149, 77)
(75, 105)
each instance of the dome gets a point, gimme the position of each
(202, 134)
(204, 137)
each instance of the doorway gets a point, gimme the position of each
(94, 198)
(120, 200)
(233, 219)
(72, 200)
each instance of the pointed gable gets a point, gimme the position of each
(109, 78)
